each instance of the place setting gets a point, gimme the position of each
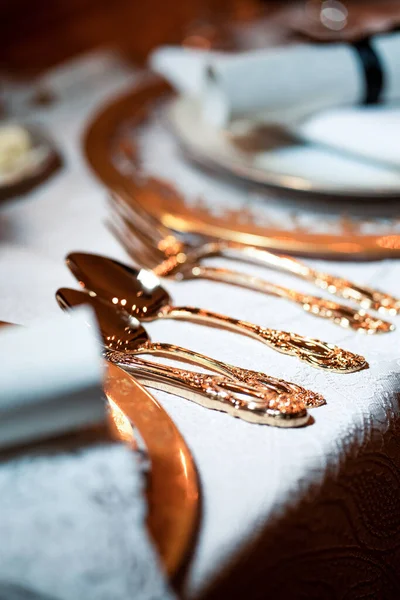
(200, 314)
(75, 405)
(199, 174)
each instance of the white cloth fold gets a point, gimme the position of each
(278, 85)
(72, 527)
(51, 378)
(313, 90)
(72, 517)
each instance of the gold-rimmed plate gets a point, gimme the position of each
(172, 485)
(305, 225)
(284, 157)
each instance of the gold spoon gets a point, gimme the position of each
(140, 293)
(276, 403)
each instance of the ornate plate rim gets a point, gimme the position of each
(262, 176)
(172, 486)
(134, 106)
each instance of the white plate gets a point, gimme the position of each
(294, 165)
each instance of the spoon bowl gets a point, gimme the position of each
(120, 331)
(124, 338)
(139, 292)
(123, 335)
(136, 291)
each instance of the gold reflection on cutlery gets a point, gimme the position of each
(279, 404)
(180, 267)
(217, 392)
(140, 293)
(160, 237)
(123, 333)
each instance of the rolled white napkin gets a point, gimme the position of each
(278, 85)
(51, 378)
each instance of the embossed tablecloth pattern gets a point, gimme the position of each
(310, 513)
(72, 525)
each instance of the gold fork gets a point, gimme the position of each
(196, 247)
(166, 261)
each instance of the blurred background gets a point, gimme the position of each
(40, 34)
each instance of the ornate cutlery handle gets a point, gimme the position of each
(313, 352)
(340, 314)
(217, 392)
(254, 379)
(365, 296)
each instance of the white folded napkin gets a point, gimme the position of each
(368, 132)
(51, 378)
(72, 527)
(72, 518)
(279, 84)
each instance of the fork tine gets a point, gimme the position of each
(139, 252)
(133, 228)
(129, 241)
(136, 226)
(137, 256)
(135, 237)
(140, 219)
(120, 208)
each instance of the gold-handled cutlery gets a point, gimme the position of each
(145, 254)
(275, 402)
(123, 333)
(139, 292)
(179, 252)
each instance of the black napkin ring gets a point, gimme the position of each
(372, 66)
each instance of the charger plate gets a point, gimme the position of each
(133, 153)
(172, 486)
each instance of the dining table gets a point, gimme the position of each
(312, 512)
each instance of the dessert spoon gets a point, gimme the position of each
(139, 292)
(279, 404)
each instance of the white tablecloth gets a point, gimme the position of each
(313, 512)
